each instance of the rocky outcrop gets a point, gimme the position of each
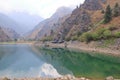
(52, 23)
(11, 33)
(79, 22)
(109, 78)
(81, 18)
(93, 4)
(4, 37)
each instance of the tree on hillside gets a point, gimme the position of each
(108, 14)
(51, 32)
(102, 11)
(116, 10)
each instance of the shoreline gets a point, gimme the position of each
(71, 45)
(9, 43)
(65, 77)
(82, 46)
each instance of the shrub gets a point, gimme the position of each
(107, 34)
(86, 37)
(95, 36)
(111, 28)
(47, 38)
(117, 34)
(67, 39)
(74, 38)
(100, 32)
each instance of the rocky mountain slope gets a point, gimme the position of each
(8, 27)
(3, 36)
(52, 23)
(88, 17)
(11, 33)
(7, 22)
(27, 21)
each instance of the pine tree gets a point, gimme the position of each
(108, 14)
(116, 10)
(102, 11)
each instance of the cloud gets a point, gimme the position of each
(44, 8)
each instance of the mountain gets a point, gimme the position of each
(12, 34)
(8, 27)
(60, 12)
(3, 36)
(26, 20)
(7, 22)
(88, 19)
(54, 22)
(7, 34)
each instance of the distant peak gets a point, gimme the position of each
(63, 8)
(62, 11)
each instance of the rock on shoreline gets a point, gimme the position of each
(66, 77)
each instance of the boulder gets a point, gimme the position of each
(109, 78)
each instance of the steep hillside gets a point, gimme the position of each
(52, 23)
(26, 20)
(7, 22)
(3, 37)
(88, 17)
(11, 33)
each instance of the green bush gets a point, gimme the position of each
(95, 36)
(74, 38)
(103, 33)
(107, 34)
(67, 39)
(117, 34)
(86, 37)
(47, 38)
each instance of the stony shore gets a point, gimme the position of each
(66, 77)
(92, 47)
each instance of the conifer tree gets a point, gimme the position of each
(116, 10)
(108, 14)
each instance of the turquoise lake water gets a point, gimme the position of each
(29, 61)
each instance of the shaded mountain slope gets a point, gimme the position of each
(52, 23)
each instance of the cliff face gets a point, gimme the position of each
(80, 19)
(93, 4)
(75, 22)
(85, 17)
(52, 23)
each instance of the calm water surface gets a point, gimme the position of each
(27, 61)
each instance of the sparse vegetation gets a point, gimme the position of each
(87, 37)
(74, 38)
(107, 34)
(117, 34)
(47, 38)
(103, 33)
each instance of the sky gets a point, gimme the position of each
(43, 8)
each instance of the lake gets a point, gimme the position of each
(29, 61)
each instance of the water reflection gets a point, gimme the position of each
(81, 63)
(21, 61)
